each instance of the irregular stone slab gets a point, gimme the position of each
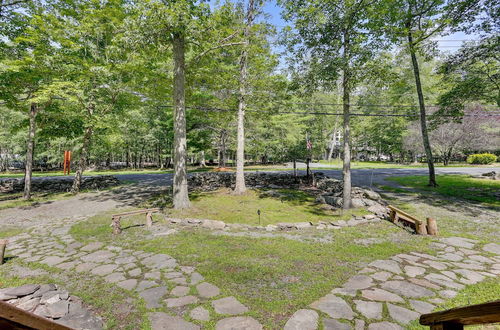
(401, 314)
(153, 296)
(384, 326)
(127, 284)
(135, 272)
(424, 255)
(29, 305)
(229, 305)
(125, 260)
(196, 278)
(334, 306)
(303, 319)
(450, 256)
(53, 260)
(381, 276)
(381, 295)
(91, 246)
(449, 274)
(181, 301)
(163, 321)
(238, 322)
(448, 294)
(332, 324)
(179, 280)
(114, 277)
(58, 309)
(187, 269)
(472, 276)
(413, 271)
(98, 256)
(171, 275)
(358, 282)
(407, 289)
(359, 324)
(492, 247)
(200, 314)
(180, 291)
(459, 242)
(443, 280)
(22, 290)
(389, 265)
(408, 257)
(85, 267)
(143, 285)
(104, 269)
(159, 261)
(152, 275)
(421, 306)
(345, 292)
(435, 264)
(44, 288)
(482, 259)
(425, 283)
(213, 224)
(67, 265)
(207, 290)
(369, 309)
(469, 266)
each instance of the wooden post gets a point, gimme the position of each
(432, 228)
(149, 219)
(3, 244)
(116, 225)
(421, 229)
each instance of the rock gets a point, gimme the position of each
(331, 324)
(381, 276)
(388, 265)
(135, 272)
(381, 295)
(92, 246)
(81, 319)
(196, 278)
(159, 261)
(370, 310)
(421, 306)
(448, 294)
(213, 224)
(180, 291)
(471, 275)
(407, 289)
(413, 271)
(152, 275)
(345, 292)
(435, 264)
(53, 260)
(145, 285)
(401, 314)
(334, 306)
(358, 282)
(163, 321)
(29, 305)
(98, 256)
(384, 326)
(303, 319)
(357, 202)
(114, 277)
(200, 314)
(179, 280)
(459, 242)
(492, 248)
(207, 290)
(443, 280)
(239, 322)
(127, 284)
(58, 309)
(229, 305)
(22, 290)
(359, 324)
(424, 283)
(85, 267)
(152, 296)
(104, 269)
(181, 301)
(450, 256)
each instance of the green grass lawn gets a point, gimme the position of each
(16, 200)
(289, 206)
(465, 187)
(381, 164)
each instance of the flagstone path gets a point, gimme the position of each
(398, 289)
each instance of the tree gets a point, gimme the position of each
(417, 21)
(333, 37)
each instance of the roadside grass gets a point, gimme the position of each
(280, 205)
(482, 292)
(382, 164)
(16, 200)
(484, 191)
(273, 276)
(117, 307)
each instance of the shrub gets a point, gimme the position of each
(481, 158)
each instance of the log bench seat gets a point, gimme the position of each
(116, 218)
(420, 227)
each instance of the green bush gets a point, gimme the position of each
(481, 158)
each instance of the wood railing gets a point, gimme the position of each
(115, 222)
(12, 317)
(420, 227)
(456, 318)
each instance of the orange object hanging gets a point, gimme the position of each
(67, 162)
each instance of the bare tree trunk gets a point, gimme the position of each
(29, 151)
(332, 142)
(180, 184)
(77, 181)
(240, 187)
(202, 159)
(423, 120)
(346, 169)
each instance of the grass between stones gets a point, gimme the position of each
(285, 205)
(465, 187)
(273, 276)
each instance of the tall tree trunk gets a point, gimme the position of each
(346, 169)
(332, 142)
(77, 181)
(180, 184)
(202, 159)
(29, 151)
(423, 120)
(240, 187)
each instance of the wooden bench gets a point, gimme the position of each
(456, 318)
(117, 217)
(12, 317)
(3, 245)
(420, 227)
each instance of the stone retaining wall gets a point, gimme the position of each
(57, 184)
